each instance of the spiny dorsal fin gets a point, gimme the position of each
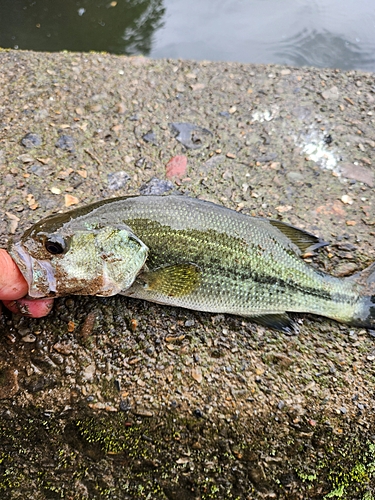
(302, 239)
(174, 281)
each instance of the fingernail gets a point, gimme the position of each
(22, 307)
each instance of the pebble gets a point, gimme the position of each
(125, 405)
(63, 348)
(190, 135)
(332, 93)
(26, 158)
(29, 338)
(149, 137)
(358, 173)
(66, 143)
(196, 373)
(31, 140)
(117, 180)
(346, 199)
(176, 167)
(295, 176)
(143, 412)
(70, 200)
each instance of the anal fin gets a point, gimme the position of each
(278, 321)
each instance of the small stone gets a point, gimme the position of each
(190, 135)
(31, 140)
(89, 372)
(156, 187)
(346, 199)
(143, 412)
(55, 190)
(29, 338)
(82, 173)
(149, 137)
(63, 348)
(26, 158)
(285, 72)
(284, 208)
(176, 167)
(345, 269)
(332, 93)
(197, 86)
(196, 373)
(232, 110)
(70, 200)
(66, 143)
(295, 176)
(358, 173)
(120, 108)
(117, 180)
(13, 223)
(231, 155)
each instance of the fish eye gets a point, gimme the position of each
(54, 247)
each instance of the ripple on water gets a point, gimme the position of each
(324, 49)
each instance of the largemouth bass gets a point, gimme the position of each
(201, 256)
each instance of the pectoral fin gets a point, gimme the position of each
(173, 281)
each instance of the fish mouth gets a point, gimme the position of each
(39, 274)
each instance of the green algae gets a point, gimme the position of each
(111, 455)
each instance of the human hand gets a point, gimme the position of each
(13, 287)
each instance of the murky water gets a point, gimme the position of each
(324, 33)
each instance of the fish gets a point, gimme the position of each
(204, 257)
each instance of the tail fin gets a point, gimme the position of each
(364, 282)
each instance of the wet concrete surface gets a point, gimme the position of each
(118, 398)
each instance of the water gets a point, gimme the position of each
(323, 33)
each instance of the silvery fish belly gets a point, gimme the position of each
(209, 258)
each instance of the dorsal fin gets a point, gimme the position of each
(301, 238)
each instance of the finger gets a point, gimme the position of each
(12, 283)
(32, 308)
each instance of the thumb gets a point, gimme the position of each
(12, 283)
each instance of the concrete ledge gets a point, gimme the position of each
(115, 398)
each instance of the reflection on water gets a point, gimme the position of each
(119, 27)
(323, 33)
